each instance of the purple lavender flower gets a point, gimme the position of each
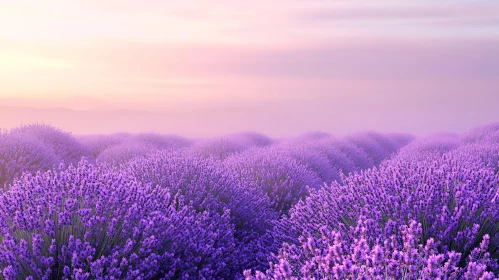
(205, 184)
(19, 153)
(281, 178)
(456, 204)
(218, 148)
(356, 255)
(124, 152)
(95, 222)
(65, 146)
(96, 144)
(434, 145)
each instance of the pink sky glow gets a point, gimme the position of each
(280, 67)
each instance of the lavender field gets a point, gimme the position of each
(246, 206)
(249, 140)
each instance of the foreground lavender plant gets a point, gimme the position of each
(357, 255)
(457, 205)
(205, 185)
(89, 222)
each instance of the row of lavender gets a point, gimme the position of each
(149, 206)
(431, 212)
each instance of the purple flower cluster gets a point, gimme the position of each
(120, 148)
(455, 203)
(19, 154)
(281, 178)
(218, 148)
(205, 185)
(124, 152)
(65, 146)
(378, 146)
(331, 157)
(430, 146)
(90, 222)
(479, 147)
(483, 134)
(402, 255)
(97, 144)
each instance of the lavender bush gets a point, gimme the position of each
(483, 134)
(376, 145)
(455, 203)
(96, 144)
(281, 178)
(121, 147)
(312, 158)
(356, 255)
(124, 152)
(19, 154)
(252, 139)
(219, 148)
(90, 222)
(204, 184)
(430, 146)
(161, 142)
(65, 146)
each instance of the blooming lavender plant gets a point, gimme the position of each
(89, 222)
(219, 148)
(96, 144)
(357, 255)
(252, 139)
(377, 146)
(65, 146)
(160, 141)
(484, 155)
(455, 203)
(310, 157)
(483, 134)
(338, 160)
(281, 178)
(204, 184)
(434, 145)
(19, 154)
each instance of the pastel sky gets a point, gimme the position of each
(431, 65)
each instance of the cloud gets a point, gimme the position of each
(364, 59)
(403, 12)
(421, 19)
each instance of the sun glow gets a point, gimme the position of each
(22, 61)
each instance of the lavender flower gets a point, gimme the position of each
(19, 154)
(205, 184)
(455, 203)
(356, 255)
(281, 178)
(65, 146)
(90, 222)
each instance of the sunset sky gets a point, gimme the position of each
(367, 61)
